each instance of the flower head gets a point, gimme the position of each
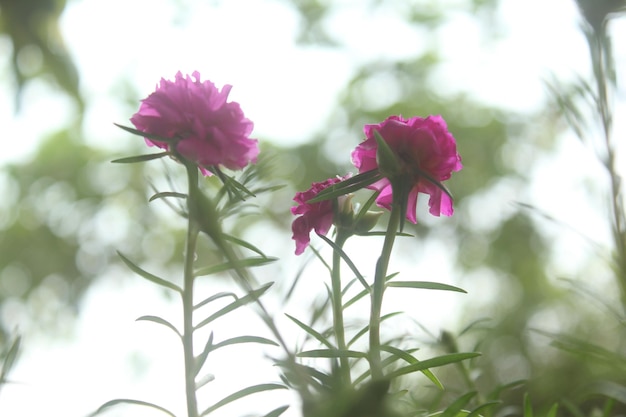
(314, 216)
(205, 128)
(424, 150)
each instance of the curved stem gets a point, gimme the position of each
(379, 288)
(190, 251)
(338, 323)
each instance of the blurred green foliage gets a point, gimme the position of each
(63, 214)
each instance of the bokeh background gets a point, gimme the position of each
(529, 240)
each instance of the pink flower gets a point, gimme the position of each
(314, 216)
(424, 148)
(207, 130)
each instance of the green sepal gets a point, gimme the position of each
(140, 158)
(147, 135)
(425, 285)
(386, 159)
(347, 186)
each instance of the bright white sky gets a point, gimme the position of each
(287, 91)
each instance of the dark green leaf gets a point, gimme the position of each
(240, 394)
(347, 186)
(147, 135)
(159, 320)
(139, 158)
(425, 285)
(166, 194)
(150, 277)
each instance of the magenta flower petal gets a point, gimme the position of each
(313, 216)
(421, 145)
(209, 130)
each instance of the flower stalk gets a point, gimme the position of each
(338, 323)
(378, 291)
(188, 283)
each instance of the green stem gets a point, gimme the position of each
(338, 323)
(600, 54)
(379, 288)
(190, 251)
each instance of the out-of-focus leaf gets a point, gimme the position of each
(133, 402)
(277, 412)
(425, 285)
(433, 363)
(240, 394)
(139, 158)
(159, 320)
(407, 357)
(226, 266)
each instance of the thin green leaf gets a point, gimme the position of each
(476, 411)
(312, 332)
(347, 186)
(277, 412)
(401, 234)
(331, 353)
(366, 328)
(356, 298)
(159, 320)
(528, 407)
(433, 363)
(553, 410)
(457, 405)
(9, 359)
(347, 260)
(201, 358)
(248, 298)
(244, 339)
(241, 263)
(366, 206)
(406, 356)
(243, 244)
(139, 158)
(133, 402)
(495, 394)
(204, 380)
(166, 194)
(215, 297)
(240, 394)
(150, 277)
(425, 285)
(147, 135)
